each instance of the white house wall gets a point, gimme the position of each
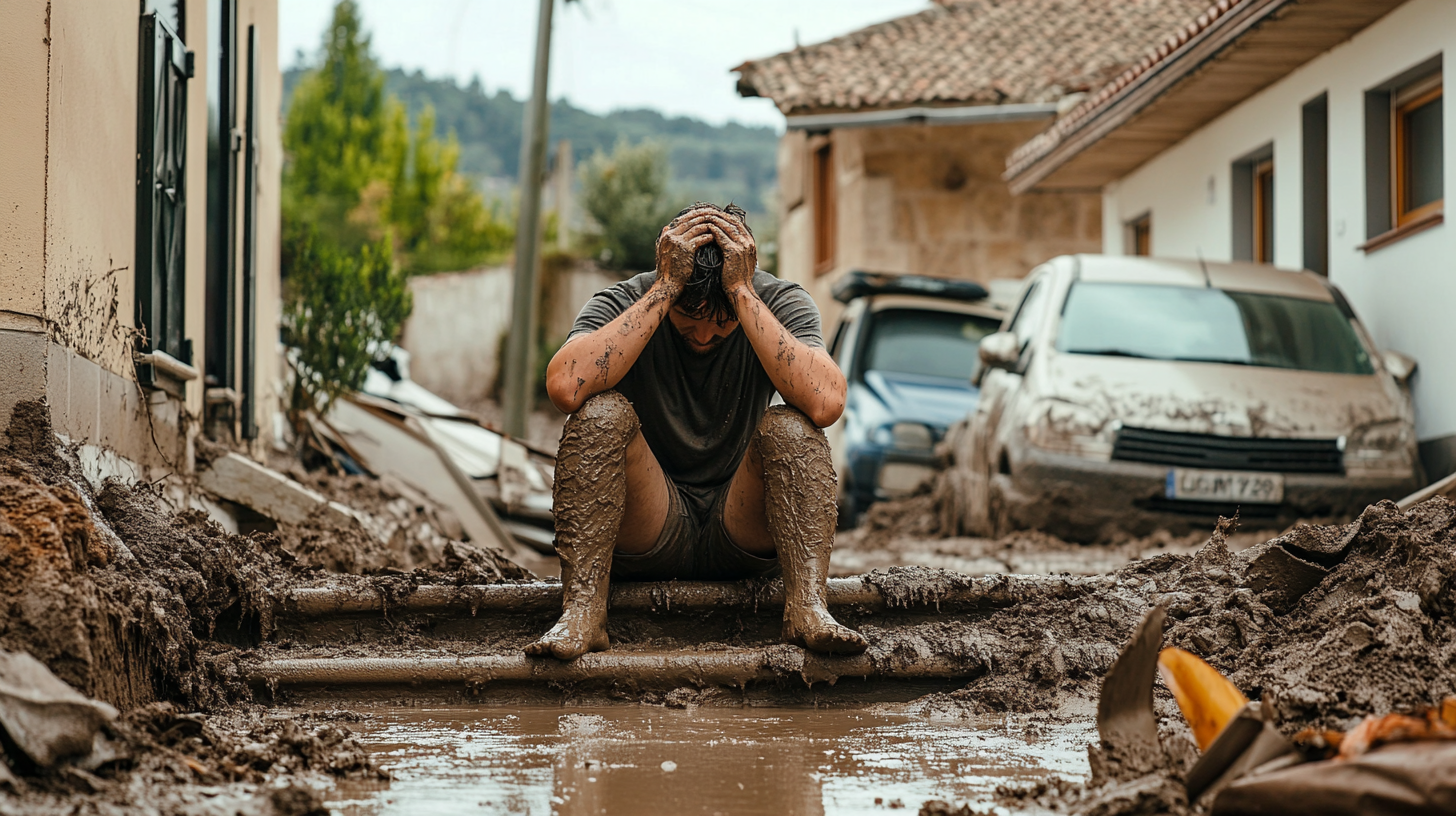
(1404, 291)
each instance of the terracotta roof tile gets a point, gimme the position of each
(971, 52)
(1047, 141)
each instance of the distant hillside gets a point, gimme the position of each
(716, 163)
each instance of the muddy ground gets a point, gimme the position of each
(148, 608)
(138, 605)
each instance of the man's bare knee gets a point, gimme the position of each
(606, 419)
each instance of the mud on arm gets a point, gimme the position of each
(589, 364)
(806, 377)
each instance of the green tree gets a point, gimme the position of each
(441, 223)
(354, 173)
(341, 311)
(626, 194)
(342, 136)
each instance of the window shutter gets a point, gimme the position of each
(161, 203)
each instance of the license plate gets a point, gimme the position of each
(1225, 485)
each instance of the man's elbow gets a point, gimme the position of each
(826, 412)
(567, 397)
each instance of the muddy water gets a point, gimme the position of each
(631, 760)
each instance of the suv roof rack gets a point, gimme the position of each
(858, 283)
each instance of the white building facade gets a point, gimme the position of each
(1337, 166)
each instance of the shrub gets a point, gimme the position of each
(341, 312)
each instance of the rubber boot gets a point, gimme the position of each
(799, 498)
(589, 496)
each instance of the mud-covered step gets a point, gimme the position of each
(910, 657)
(902, 588)
(735, 613)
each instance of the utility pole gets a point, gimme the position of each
(520, 386)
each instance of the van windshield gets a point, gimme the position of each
(926, 343)
(1210, 326)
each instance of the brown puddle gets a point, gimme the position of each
(633, 759)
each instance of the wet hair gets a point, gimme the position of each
(704, 297)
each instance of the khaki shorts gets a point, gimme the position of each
(694, 545)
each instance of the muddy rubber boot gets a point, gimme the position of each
(799, 499)
(589, 497)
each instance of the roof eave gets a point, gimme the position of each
(952, 115)
(1089, 147)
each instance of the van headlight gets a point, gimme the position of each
(1058, 426)
(906, 436)
(1382, 446)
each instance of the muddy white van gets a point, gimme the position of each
(1127, 394)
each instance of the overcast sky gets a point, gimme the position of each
(670, 55)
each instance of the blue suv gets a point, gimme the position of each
(908, 345)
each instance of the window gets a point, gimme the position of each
(1418, 162)
(1404, 161)
(1252, 198)
(1028, 314)
(1202, 325)
(1140, 235)
(925, 343)
(250, 244)
(161, 207)
(1315, 134)
(825, 208)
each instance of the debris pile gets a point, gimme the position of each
(116, 596)
(398, 530)
(1327, 625)
(63, 752)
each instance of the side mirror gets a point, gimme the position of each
(1000, 350)
(1400, 366)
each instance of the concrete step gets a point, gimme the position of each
(924, 627)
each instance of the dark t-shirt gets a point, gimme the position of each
(698, 411)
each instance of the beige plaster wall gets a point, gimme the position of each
(929, 200)
(91, 184)
(67, 220)
(24, 60)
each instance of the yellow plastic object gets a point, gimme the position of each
(1207, 700)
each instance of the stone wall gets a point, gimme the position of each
(928, 200)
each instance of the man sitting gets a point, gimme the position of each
(672, 465)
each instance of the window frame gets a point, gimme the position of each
(1404, 102)
(1381, 172)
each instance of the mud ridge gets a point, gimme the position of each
(1368, 628)
(169, 762)
(150, 609)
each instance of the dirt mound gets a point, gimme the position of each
(165, 758)
(1326, 624)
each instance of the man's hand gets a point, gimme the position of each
(740, 251)
(677, 244)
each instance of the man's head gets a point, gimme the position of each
(704, 298)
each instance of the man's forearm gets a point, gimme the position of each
(592, 363)
(806, 377)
